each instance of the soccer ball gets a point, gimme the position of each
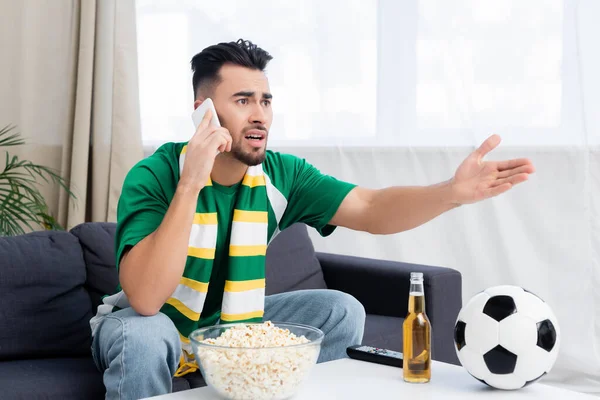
(506, 337)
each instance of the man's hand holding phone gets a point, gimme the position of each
(202, 149)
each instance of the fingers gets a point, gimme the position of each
(220, 140)
(512, 180)
(228, 139)
(217, 138)
(495, 191)
(516, 163)
(490, 144)
(202, 135)
(524, 169)
(205, 120)
(204, 124)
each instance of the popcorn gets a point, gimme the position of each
(266, 368)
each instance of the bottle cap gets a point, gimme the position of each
(416, 275)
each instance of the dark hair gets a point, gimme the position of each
(208, 62)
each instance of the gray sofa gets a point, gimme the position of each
(51, 283)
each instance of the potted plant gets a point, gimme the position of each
(22, 206)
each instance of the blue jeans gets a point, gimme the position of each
(139, 355)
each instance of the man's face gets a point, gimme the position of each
(243, 103)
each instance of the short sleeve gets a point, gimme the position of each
(143, 203)
(314, 197)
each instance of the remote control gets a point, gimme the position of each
(375, 355)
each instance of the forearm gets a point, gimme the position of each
(152, 269)
(397, 209)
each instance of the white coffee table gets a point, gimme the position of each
(351, 379)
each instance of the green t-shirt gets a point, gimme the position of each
(300, 191)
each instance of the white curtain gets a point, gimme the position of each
(398, 92)
(70, 85)
(105, 141)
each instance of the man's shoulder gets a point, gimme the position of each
(276, 161)
(283, 170)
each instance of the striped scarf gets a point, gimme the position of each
(243, 298)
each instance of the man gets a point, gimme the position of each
(195, 219)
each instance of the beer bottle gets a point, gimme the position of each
(417, 334)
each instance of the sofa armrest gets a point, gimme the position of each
(383, 287)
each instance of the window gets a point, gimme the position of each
(323, 76)
(384, 72)
(489, 64)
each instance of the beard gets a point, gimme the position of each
(251, 157)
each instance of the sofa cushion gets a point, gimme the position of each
(383, 332)
(195, 380)
(45, 309)
(180, 384)
(53, 378)
(291, 262)
(98, 243)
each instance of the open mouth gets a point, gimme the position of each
(255, 137)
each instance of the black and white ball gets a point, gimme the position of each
(506, 337)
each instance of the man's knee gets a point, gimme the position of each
(144, 335)
(347, 308)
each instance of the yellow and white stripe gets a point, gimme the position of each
(254, 176)
(203, 237)
(249, 233)
(240, 317)
(278, 203)
(243, 300)
(188, 298)
(253, 181)
(182, 159)
(240, 286)
(250, 216)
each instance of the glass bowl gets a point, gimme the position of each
(256, 372)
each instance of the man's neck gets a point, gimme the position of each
(227, 170)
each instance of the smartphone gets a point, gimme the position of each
(199, 112)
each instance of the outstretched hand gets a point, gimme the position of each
(476, 180)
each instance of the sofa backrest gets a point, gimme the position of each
(97, 240)
(291, 262)
(44, 307)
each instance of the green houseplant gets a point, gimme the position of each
(22, 206)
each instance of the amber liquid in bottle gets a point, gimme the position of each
(417, 335)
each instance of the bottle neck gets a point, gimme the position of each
(416, 288)
(416, 301)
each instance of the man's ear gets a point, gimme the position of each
(198, 101)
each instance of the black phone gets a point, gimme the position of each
(375, 355)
